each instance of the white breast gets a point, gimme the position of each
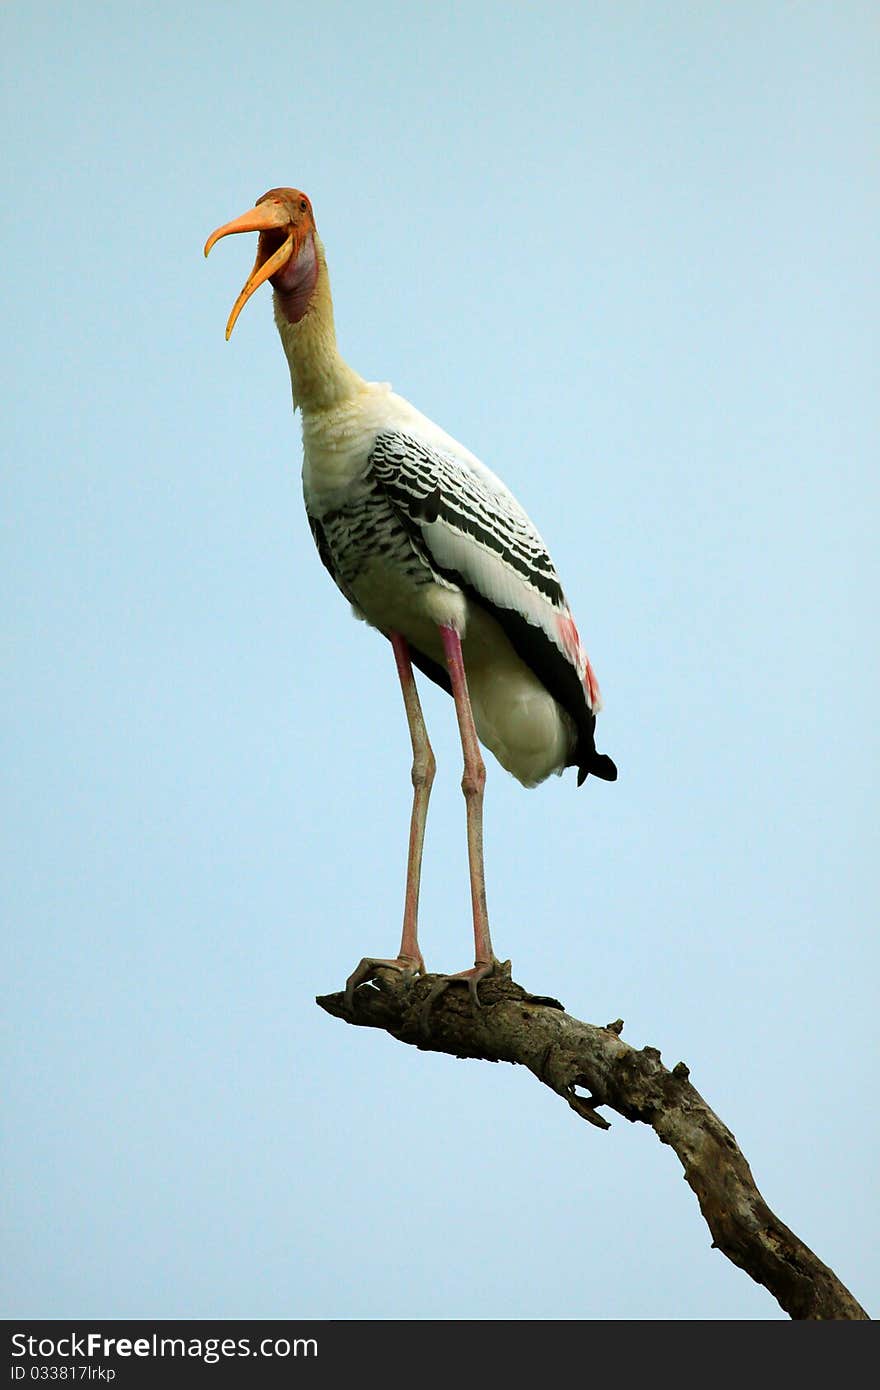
(337, 444)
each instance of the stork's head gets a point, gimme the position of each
(286, 251)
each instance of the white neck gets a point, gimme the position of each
(319, 377)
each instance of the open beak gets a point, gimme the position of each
(265, 217)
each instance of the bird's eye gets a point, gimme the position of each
(302, 204)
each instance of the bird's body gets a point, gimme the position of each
(428, 546)
(418, 534)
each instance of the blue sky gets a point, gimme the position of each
(627, 254)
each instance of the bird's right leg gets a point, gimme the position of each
(423, 769)
(410, 958)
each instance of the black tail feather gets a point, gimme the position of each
(601, 766)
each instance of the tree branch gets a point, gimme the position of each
(591, 1067)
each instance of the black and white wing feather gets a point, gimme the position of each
(476, 535)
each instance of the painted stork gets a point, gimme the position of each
(431, 548)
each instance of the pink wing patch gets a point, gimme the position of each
(571, 645)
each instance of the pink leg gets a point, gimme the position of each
(472, 784)
(423, 768)
(410, 958)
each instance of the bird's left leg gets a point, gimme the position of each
(472, 784)
(410, 958)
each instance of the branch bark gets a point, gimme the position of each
(592, 1067)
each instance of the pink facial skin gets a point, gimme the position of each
(295, 282)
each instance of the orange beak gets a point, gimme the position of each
(265, 217)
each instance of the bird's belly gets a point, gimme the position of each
(390, 580)
(408, 601)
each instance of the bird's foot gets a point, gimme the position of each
(409, 966)
(480, 971)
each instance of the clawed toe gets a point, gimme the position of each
(368, 967)
(481, 971)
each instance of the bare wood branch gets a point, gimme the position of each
(592, 1067)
